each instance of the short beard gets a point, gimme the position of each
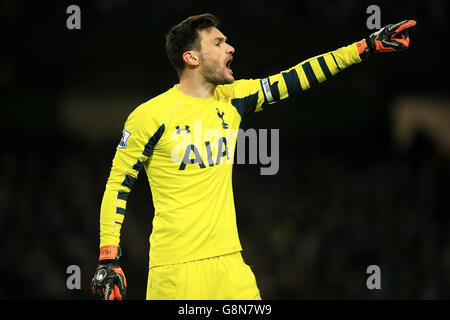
(211, 75)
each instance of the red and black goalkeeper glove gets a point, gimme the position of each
(109, 282)
(393, 37)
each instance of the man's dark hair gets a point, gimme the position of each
(184, 37)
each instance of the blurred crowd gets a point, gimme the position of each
(315, 229)
(309, 232)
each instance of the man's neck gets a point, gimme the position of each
(194, 85)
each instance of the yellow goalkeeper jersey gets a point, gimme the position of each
(186, 146)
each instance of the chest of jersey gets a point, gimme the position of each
(200, 136)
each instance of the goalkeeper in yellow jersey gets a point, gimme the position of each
(185, 139)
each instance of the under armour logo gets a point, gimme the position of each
(224, 124)
(179, 129)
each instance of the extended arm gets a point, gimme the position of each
(251, 95)
(311, 72)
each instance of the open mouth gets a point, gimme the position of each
(228, 64)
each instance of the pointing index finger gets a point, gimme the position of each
(405, 25)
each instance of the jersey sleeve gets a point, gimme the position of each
(135, 148)
(251, 95)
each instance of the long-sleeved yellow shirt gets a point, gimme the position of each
(186, 146)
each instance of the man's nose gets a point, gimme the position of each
(230, 49)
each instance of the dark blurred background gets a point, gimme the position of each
(364, 157)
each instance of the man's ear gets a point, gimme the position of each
(191, 58)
